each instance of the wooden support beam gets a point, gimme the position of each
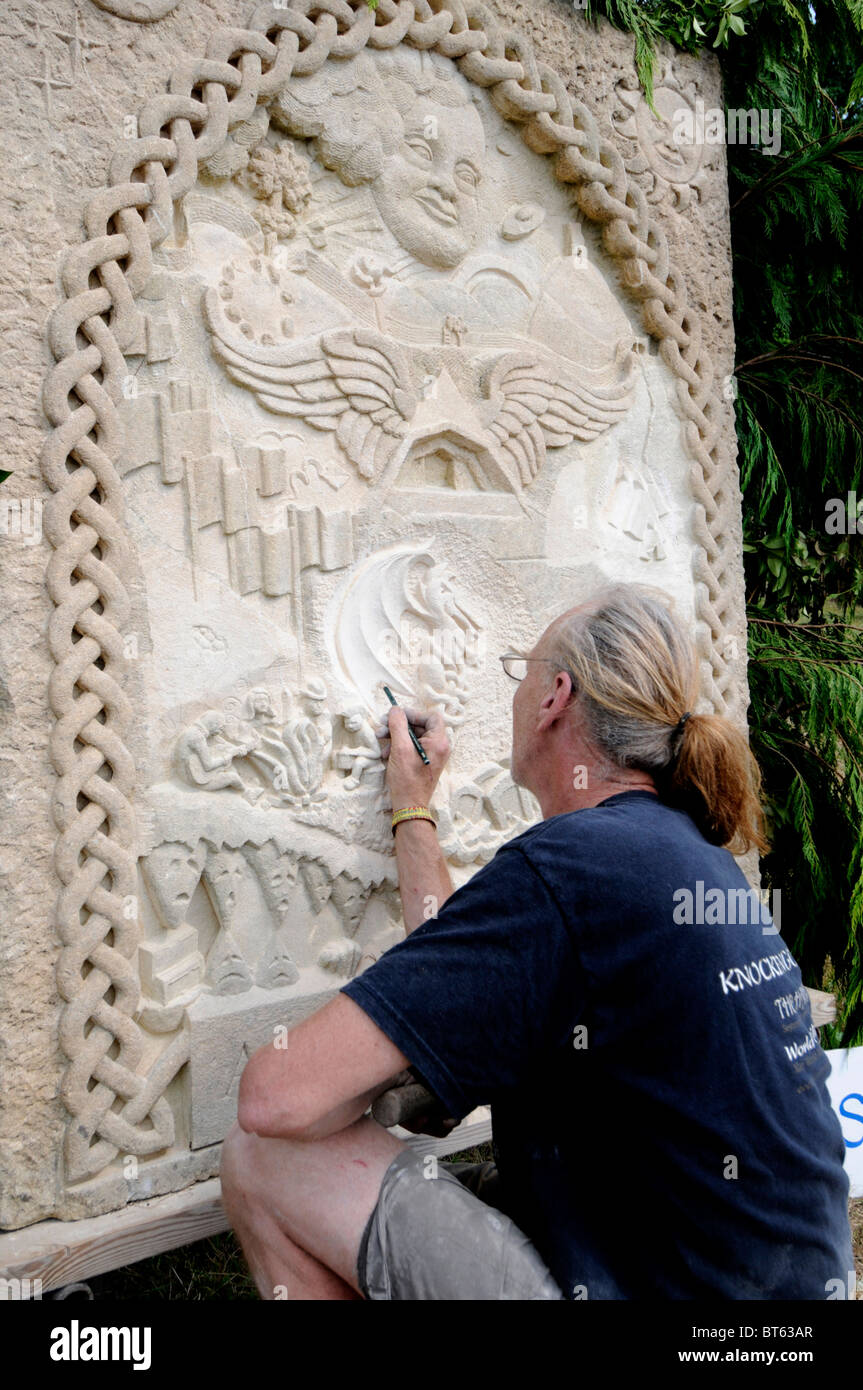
(823, 1006)
(68, 1252)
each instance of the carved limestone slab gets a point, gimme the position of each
(348, 346)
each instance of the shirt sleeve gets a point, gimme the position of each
(475, 996)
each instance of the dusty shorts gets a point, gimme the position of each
(436, 1234)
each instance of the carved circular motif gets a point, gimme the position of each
(675, 161)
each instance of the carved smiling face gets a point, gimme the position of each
(427, 190)
(676, 160)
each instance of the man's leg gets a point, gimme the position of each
(299, 1208)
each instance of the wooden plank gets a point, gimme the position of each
(823, 1006)
(68, 1252)
(474, 1129)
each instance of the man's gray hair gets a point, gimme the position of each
(635, 672)
(635, 668)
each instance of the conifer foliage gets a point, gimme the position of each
(797, 237)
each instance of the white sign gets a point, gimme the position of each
(845, 1084)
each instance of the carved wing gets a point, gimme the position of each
(352, 381)
(541, 403)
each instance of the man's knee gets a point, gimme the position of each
(238, 1161)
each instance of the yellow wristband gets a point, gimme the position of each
(412, 813)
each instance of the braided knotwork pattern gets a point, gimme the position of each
(114, 1104)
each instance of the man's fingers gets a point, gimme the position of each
(433, 720)
(402, 1103)
(425, 721)
(396, 723)
(421, 720)
(425, 724)
(429, 728)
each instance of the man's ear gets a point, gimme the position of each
(558, 700)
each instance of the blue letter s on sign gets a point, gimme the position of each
(852, 1115)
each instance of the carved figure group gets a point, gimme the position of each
(292, 756)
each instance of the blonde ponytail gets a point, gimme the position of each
(716, 780)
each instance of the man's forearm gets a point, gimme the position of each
(424, 881)
(344, 1115)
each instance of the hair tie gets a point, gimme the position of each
(679, 726)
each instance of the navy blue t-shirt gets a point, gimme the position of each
(661, 1124)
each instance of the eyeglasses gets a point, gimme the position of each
(516, 666)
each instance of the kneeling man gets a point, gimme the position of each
(617, 1037)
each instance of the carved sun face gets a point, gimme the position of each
(675, 162)
(427, 191)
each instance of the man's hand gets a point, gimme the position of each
(409, 1104)
(409, 781)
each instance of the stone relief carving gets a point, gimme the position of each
(439, 340)
(404, 134)
(224, 873)
(400, 624)
(204, 757)
(672, 173)
(172, 872)
(636, 508)
(291, 887)
(360, 754)
(360, 385)
(277, 874)
(482, 811)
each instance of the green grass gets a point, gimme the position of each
(212, 1268)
